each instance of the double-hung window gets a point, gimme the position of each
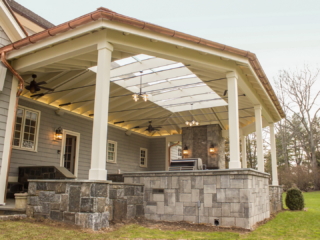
(112, 152)
(26, 129)
(143, 157)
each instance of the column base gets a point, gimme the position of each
(233, 165)
(98, 174)
(274, 183)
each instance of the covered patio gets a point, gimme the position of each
(93, 65)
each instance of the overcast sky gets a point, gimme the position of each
(284, 34)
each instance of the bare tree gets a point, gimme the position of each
(299, 94)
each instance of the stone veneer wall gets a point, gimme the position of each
(237, 198)
(275, 194)
(89, 204)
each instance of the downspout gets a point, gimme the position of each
(19, 91)
(169, 149)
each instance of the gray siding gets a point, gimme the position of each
(4, 96)
(127, 153)
(157, 154)
(4, 106)
(4, 40)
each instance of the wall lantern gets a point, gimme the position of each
(58, 134)
(212, 149)
(185, 151)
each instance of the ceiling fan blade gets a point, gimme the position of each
(136, 127)
(38, 95)
(41, 83)
(45, 88)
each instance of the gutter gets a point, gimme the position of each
(104, 13)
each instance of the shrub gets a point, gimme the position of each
(294, 199)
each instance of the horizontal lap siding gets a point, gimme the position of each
(4, 96)
(127, 153)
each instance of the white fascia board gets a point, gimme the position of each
(11, 26)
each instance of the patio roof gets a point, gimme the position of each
(192, 72)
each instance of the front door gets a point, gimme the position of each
(70, 152)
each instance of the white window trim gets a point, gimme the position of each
(63, 143)
(115, 151)
(22, 127)
(146, 158)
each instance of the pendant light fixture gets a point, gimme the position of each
(192, 122)
(144, 96)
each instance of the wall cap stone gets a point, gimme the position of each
(69, 181)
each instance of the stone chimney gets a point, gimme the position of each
(198, 139)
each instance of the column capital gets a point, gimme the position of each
(232, 75)
(105, 45)
(257, 107)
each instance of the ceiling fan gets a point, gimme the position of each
(34, 87)
(150, 128)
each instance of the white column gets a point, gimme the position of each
(260, 157)
(101, 108)
(273, 155)
(244, 151)
(233, 113)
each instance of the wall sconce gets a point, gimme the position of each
(212, 149)
(185, 151)
(58, 134)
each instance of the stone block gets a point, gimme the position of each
(113, 193)
(216, 212)
(139, 210)
(158, 197)
(151, 203)
(179, 208)
(209, 180)
(185, 197)
(155, 217)
(51, 186)
(100, 204)
(46, 196)
(81, 219)
(185, 186)
(207, 200)
(196, 182)
(45, 207)
(244, 195)
(195, 195)
(132, 200)
(155, 183)
(41, 186)
(104, 220)
(232, 195)
(37, 209)
(175, 182)
(160, 207)
(131, 211)
(163, 182)
(40, 216)
(190, 211)
(86, 205)
(150, 209)
(55, 206)
(86, 189)
(99, 190)
(29, 211)
(94, 221)
(128, 180)
(169, 209)
(169, 198)
(216, 204)
(74, 199)
(138, 190)
(228, 221)
(224, 181)
(32, 188)
(56, 215)
(64, 202)
(221, 195)
(209, 188)
(129, 191)
(225, 209)
(33, 200)
(243, 223)
(177, 218)
(166, 217)
(236, 183)
(69, 217)
(120, 209)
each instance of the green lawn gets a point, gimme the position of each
(286, 225)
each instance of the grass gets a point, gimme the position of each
(286, 225)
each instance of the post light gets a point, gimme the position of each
(58, 134)
(144, 97)
(212, 149)
(185, 151)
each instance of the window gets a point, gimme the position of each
(26, 129)
(112, 152)
(143, 157)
